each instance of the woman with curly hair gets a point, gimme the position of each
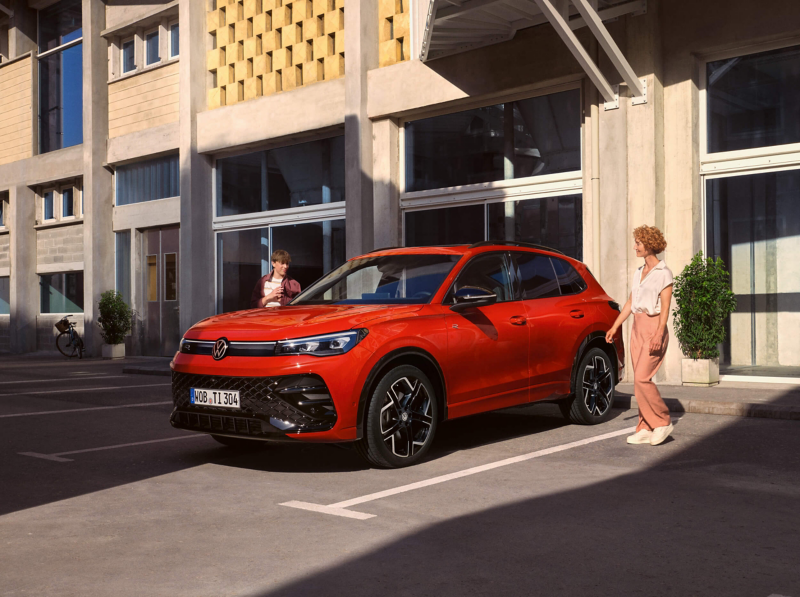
(649, 302)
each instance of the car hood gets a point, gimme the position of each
(292, 321)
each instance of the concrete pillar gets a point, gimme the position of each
(24, 303)
(98, 240)
(22, 32)
(196, 270)
(386, 183)
(361, 55)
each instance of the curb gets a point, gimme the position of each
(716, 407)
(147, 371)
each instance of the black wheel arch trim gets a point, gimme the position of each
(588, 342)
(381, 364)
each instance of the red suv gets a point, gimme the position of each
(390, 344)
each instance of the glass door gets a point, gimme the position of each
(161, 298)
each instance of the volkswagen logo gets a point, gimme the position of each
(220, 349)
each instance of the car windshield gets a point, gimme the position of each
(384, 280)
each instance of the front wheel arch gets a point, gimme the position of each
(593, 340)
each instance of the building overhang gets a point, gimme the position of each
(454, 26)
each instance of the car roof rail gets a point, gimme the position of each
(381, 249)
(513, 243)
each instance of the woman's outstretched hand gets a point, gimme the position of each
(610, 335)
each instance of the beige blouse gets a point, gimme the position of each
(646, 295)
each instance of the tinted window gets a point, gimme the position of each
(448, 226)
(146, 181)
(569, 280)
(536, 276)
(5, 295)
(61, 293)
(59, 24)
(151, 42)
(489, 272)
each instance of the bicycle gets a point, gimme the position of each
(68, 342)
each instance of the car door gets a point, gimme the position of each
(487, 347)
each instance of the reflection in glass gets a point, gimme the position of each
(175, 40)
(170, 276)
(5, 295)
(315, 248)
(61, 99)
(149, 180)
(555, 222)
(295, 176)
(128, 57)
(48, 206)
(61, 293)
(537, 278)
(3, 199)
(123, 264)
(754, 101)
(151, 46)
(68, 202)
(59, 23)
(488, 272)
(476, 146)
(152, 278)
(753, 224)
(446, 226)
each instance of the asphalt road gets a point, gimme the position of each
(100, 496)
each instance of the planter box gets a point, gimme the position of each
(113, 351)
(700, 372)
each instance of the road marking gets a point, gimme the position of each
(57, 457)
(61, 379)
(338, 509)
(81, 410)
(148, 385)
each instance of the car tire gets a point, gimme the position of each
(593, 392)
(242, 444)
(401, 419)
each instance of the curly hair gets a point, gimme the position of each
(651, 238)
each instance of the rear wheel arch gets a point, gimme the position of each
(594, 340)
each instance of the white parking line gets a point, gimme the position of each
(61, 379)
(339, 508)
(57, 457)
(81, 410)
(147, 385)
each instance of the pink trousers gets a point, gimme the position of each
(652, 410)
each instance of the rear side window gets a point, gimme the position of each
(488, 272)
(537, 278)
(569, 280)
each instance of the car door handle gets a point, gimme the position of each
(576, 313)
(518, 320)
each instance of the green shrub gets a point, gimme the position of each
(704, 300)
(115, 317)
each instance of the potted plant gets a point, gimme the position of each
(115, 323)
(704, 300)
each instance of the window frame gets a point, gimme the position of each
(45, 219)
(61, 190)
(170, 25)
(449, 299)
(4, 203)
(122, 42)
(62, 273)
(148, 33)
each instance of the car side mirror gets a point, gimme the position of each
(472, 297)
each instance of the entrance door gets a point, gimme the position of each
(161, 301)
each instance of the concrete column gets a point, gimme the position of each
(197, 265)
(386, 183)
(361, 55)
(24, 303)
(22, 32)
(98, 240)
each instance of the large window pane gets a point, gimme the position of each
(123, 262)
(753, 224)
(315, 248)
(61, 99)
(5, 295)
(754, 101)
(295, 176)
(537, 278)
(147, 181)
(59, 24)
(488, 272)
(470, 147)
(555, 222)
(61, 293)
(446, 226)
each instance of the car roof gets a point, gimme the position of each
(479, 247)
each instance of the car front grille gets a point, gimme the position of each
(290, 404)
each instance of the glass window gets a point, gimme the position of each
(3, 201)
(174, 40)
(68, 202)
(5, 295)
(147, 181)
(537, 278)
(488, 272)
(446, 226)
(152, 278)
(61, 293)
(59, 24)
(569, 280)
(61, 99)
(151, 45)
(754, 101)
(295, 176)
(123, 263)
(555, 222)
(170, 276)
(128, 57)
(48, 205)
(243, 256)
(470, 147)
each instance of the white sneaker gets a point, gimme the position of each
(660, 434)
(640, 437)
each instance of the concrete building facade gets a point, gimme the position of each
(166, 148)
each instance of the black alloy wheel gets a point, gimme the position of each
(241, 444)
(593, 395)
(401, 419)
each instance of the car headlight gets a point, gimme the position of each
(322, 346)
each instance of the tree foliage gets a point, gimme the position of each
(704, 300)
(115, 317)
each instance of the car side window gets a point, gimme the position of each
(485, 271)
(569, 280)
(537, 278)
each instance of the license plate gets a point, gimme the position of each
(218, 398)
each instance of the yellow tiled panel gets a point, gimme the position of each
(323, 46)
(252, 47)
(313, 27)
(401, 25)
(334, 21)
(243, 70)
(271, 40)
(289, 36)
(338, 42)
(251, 8)
(268, 4)
(234, 52)
(301, 10)
(334, 67)
(323, 6)
(388, 52)
(225, 75)
(282, 58)
(212, 20)
(234, 93)
(252, 88)
(281, 16)
(302, 52)
(244, 30)
(312, 72)
(262, 23)
(16, 114)
(292, 78)
(262, 64)
(340, 4)
(386, 8)
(272, 83)
(226, 35)
(215, 58)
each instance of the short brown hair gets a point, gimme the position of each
(281, 256)
(651, 238)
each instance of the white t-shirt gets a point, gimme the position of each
(646, 295)
(269, 287)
